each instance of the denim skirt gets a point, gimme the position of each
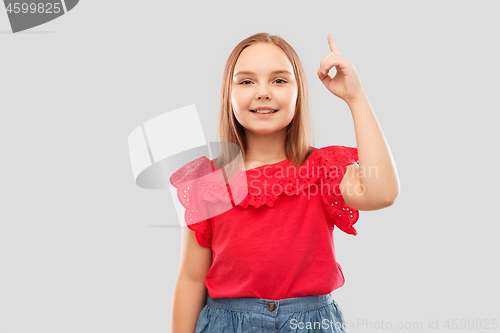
(319, 313)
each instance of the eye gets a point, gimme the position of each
(243, 82)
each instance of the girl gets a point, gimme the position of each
(268, 263)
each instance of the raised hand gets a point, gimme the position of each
(345, 84)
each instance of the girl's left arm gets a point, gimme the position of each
(374, 184)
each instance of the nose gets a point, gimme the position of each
(263, 92)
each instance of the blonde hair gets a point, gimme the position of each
(297, 141)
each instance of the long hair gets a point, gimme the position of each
(298, 137)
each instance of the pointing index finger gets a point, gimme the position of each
(331, 42)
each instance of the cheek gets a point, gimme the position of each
(291, 97)
(240, 99)
(235, 98)
(237, 103)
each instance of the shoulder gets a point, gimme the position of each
(191, 170)
(337, 154)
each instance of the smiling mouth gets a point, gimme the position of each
(263, 111)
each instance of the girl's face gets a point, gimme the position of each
(263, 77)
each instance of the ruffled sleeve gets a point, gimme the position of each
(187, 182)
(332, 162)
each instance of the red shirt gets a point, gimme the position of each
(272, 238)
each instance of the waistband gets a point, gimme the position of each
(271, 307)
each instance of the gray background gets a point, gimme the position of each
(83, 249)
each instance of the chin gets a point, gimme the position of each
(263, 130)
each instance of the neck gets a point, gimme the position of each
(265, 148)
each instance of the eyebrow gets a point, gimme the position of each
(281, 71)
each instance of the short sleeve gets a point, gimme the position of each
(335, 160)
(186, 181)
(203, 232)
(345, 155)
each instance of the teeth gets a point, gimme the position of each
(263, 111)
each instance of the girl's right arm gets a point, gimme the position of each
(190, 292)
